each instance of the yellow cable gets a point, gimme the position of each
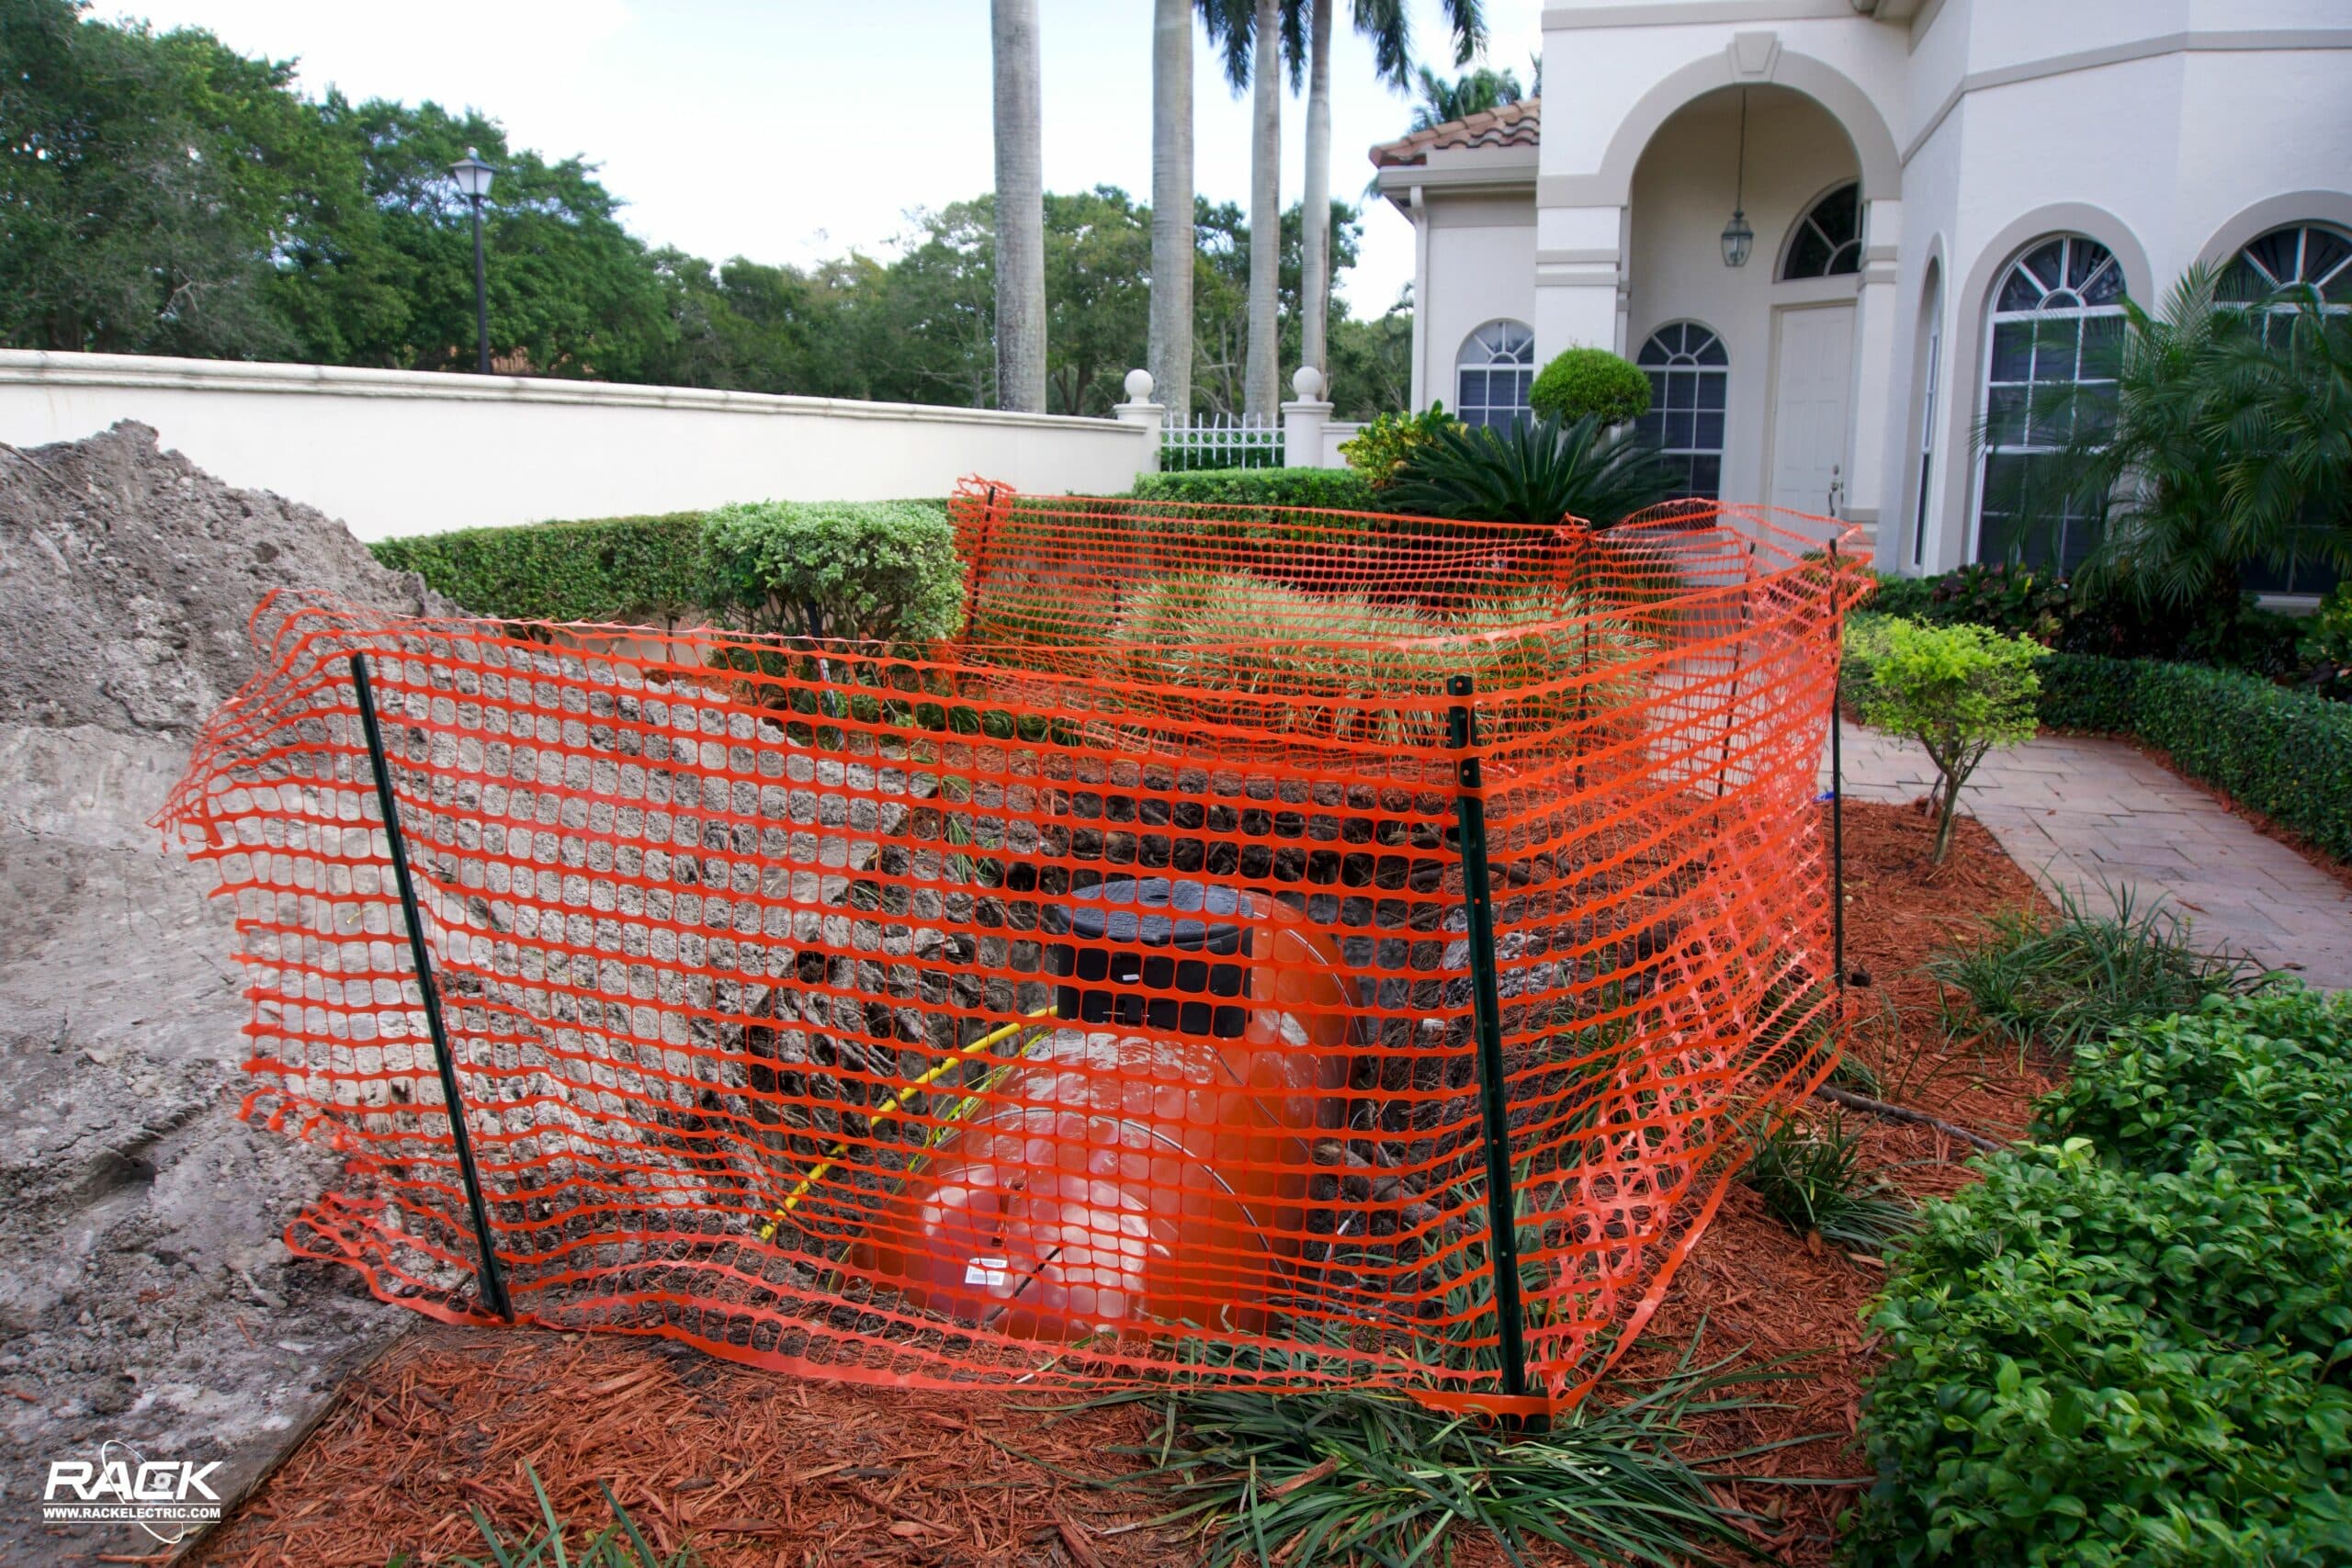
(824, 1166)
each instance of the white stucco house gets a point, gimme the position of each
(1948, 199)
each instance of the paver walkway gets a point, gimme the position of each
(2084, 814)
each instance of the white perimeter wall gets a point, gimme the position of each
(407, 452)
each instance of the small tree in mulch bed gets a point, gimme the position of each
(1959, 691)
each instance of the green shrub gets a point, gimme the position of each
(1581, 383)
(1959, 691)
(1381, 446)
(2065, 980)
(610, 569)
(1910, 597)
(1539, 471)
(2132, 1342)
(882, 569)
(2286, 754)
(2262, 1078)
(1331, 490)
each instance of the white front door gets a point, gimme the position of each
(1813, 387)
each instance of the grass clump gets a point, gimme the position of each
(2063, 980)
(1808, 1171)
(549, 1542)
(1361, 1475)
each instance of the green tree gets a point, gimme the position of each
(1958, 690)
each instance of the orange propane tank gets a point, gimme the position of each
(1145, 1165)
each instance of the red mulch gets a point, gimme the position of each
(767, 1469)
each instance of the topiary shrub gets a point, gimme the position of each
(610, 568)
(884, 571)
(1590, 382)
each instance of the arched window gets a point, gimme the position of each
(2057, 335)
(1828, 239)
(2302, 261)
(1689, 374)
(1493, 373)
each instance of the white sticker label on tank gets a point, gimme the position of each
(989, 1273)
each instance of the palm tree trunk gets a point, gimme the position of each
(1020, 209)
(1314, 248)
(1170, 355)
(1260, 392)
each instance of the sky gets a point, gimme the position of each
(789, 130)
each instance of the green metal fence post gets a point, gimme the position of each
(1477, 897)
(492, 1284)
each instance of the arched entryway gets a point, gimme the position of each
(1787, 319)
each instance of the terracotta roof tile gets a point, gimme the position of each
(1507, 125)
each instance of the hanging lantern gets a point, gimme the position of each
(1738, 238)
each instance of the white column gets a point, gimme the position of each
(1578, 265)
(1875, 481)
(1146, 415)
(1304, 419)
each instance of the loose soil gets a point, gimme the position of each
(145, 1296)
(758, 1468)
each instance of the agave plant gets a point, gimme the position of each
(1539, 471)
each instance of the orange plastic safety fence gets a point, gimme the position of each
(1084, 998)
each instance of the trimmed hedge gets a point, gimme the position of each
(1581, 383)
(2131, 1341)
(609, 568)
(1334, 490)
(2286, 754)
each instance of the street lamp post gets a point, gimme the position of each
(473, 179)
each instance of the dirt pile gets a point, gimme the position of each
(144, 1295)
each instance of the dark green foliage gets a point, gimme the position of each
(1361, 1476)
(1912, 597)
(1808, 1171)
(2132, 1342)
(1331, 490)
(1541, 472)
(879, 570)
(612, 569)
(2288, 754)
(1581, 381)
(2068, 980)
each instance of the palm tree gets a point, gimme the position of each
(1384, 22)
(1168, 356)
(1020, 208)
(1474, 93)
(1260, 390)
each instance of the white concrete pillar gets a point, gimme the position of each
(1146, 415)
(1304, 419)
(1579, 260)
(1875, 480)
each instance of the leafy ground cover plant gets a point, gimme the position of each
(1808, 1171)
(2065, 980)
(2131, 1341)
(1959, 691)
(1541, 471)
(1381, 447)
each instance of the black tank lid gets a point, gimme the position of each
(1154, 911)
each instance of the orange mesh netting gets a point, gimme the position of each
(1087, 997)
